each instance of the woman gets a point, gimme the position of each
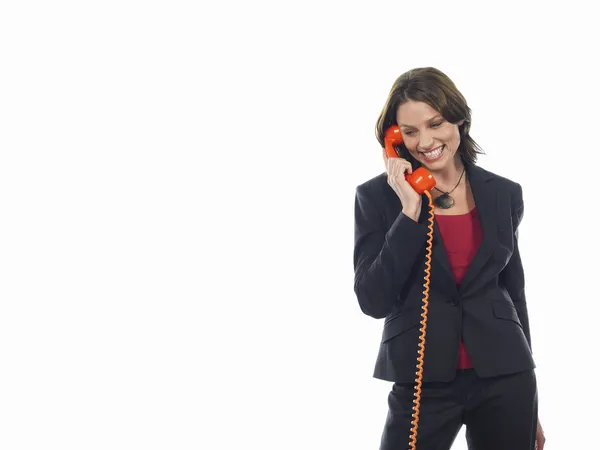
(478, 366)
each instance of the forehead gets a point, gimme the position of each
(414, 113)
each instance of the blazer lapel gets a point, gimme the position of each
(439, 254)
(486, 203)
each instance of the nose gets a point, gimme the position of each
(425, 141)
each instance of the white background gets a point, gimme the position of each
(176, 212)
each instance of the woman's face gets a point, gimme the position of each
(430, 139)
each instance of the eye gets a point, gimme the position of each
(436, 125)
(409, 133)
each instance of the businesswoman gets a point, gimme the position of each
(478, 366)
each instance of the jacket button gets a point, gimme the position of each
(455, 301)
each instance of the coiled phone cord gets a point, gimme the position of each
(421, 352)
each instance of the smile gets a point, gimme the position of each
(434, 154)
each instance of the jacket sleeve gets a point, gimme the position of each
(383, 257)
(512, 277)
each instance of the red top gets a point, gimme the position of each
(461, 235)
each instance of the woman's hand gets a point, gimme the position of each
(411, 201)
(540, 439)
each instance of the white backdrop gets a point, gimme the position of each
(176, 212)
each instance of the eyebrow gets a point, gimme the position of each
(437, 116)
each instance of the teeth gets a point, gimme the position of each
(434, 153)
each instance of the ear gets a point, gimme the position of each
(461, 122)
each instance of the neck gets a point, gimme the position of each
(447, 177)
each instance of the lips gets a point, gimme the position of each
(434, 154)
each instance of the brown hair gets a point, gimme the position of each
(431, 86)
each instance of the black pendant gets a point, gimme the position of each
(444, 201)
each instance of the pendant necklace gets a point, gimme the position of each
(445, 201)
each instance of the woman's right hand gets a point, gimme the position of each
(411, 200)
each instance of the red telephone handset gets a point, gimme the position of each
(420, 180)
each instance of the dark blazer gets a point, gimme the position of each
(488, 308)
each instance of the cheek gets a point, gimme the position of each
(411, 143)
(452, 137)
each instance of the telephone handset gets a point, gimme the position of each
(422, 182)
(420, 179)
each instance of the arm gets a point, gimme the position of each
(513, 277)
(382, 258)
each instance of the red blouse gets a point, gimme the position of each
(461, 235)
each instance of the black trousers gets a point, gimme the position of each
(500, 413)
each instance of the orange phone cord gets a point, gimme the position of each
(420, 358)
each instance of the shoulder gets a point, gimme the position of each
(375, 184)
(500, 182)
(510, 189)
(373, 195)
(372, 184)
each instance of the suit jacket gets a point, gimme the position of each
(488, 309)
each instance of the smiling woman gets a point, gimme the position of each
(478, 366)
